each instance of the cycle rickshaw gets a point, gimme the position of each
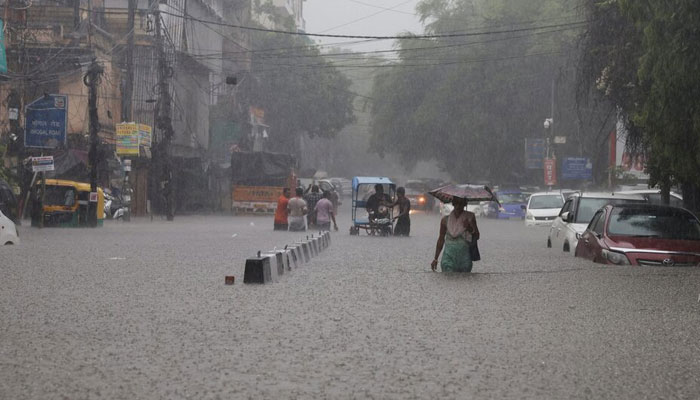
(381, 222)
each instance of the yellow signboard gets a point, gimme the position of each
(268, 194)
(128, 139)
(145, 135)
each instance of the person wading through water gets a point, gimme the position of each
(281, 223)
(403, 223)
(297, 209)
(458, 232)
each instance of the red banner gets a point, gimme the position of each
(550, 171)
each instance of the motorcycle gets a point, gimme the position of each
(115, 208)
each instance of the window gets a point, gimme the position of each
(662, 222)
(59, 196)
(655, 198)
(599, 222)
(588, 206)
(594, 221)
(566, 207)
(511, 198)
(545, 201)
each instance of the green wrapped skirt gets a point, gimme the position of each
(456, 255)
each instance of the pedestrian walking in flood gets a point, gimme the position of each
(403, 223)
(297, 209)
(458, 233)
(312, 198)
(325, 213)
(281, 213)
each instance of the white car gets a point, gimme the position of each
(542, 208)
(577, 212)
(8, 231)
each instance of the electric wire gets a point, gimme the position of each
(407, 36)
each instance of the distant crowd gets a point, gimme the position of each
(308, 209)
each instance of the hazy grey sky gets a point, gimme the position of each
(361, 17)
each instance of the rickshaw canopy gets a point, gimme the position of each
(370, 180)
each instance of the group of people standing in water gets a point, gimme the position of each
(457, 240)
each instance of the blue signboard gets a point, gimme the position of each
(534, 153)
(45, 122)
(573, 168)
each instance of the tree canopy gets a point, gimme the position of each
(300, 92)
(470, 102)
(644, 57)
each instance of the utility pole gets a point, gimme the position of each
(92, 80)
(127, 95)
(551, 112)
(164, 121)
(76, 14)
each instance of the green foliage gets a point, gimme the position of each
(471, 102)
(300, 91)
(5, 173)
(645, 57)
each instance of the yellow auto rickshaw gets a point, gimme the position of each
(64, 204)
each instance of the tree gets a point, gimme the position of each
(300, 92)
(644, 57)
(471, 102)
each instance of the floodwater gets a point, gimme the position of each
(140, 311)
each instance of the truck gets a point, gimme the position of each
(258, 179)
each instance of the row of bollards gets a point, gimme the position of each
(270, 266)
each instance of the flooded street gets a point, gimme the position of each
(140, 310)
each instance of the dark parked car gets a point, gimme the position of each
(642, 234)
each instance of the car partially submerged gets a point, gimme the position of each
(543, 208)
(642, 234)
(577, 212)
(8, 231)
(512, 204)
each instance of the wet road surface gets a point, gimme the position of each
(140, 311)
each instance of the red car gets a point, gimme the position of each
(642, 234)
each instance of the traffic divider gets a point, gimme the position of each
(305, 250)
(270, 266)
(258, 270)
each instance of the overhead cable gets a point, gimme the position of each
(429, 36)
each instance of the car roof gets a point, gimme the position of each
(648, 206)
(607, 195)
(509, 191)
(648, 191)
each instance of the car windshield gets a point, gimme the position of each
(412, 192)
(588, 206)
(663, 223)
(416, 186)
(546, 201)
(59, 196)
(512, 198)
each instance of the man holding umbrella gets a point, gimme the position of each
(458, 231)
